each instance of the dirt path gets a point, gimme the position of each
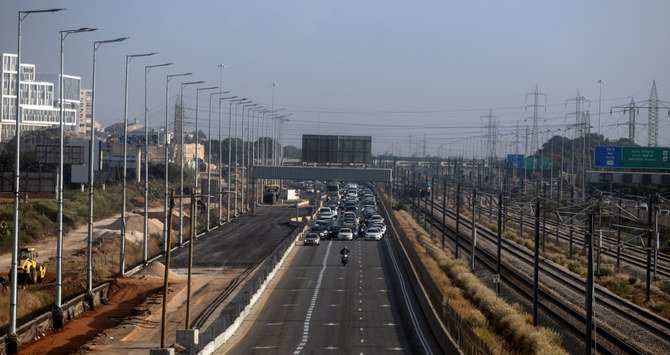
(77, 239)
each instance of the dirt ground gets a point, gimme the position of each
(125, 296)
(131, 322)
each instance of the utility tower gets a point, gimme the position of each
(583, 125)
(652, 105)
(632, 112)
(652, 133)
(535, 139)
(491, 135)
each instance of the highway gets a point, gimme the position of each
(320, 306)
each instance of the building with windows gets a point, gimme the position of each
(86, 111)
(39, 99)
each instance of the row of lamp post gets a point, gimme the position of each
(12, 339)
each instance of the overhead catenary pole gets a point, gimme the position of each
(473, 227)
(145, 241)
(57, 311)
(12, 338)
(536, 260)
(166, 276)
(91, 181)
(167, 225)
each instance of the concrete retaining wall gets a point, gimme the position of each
(44, 323)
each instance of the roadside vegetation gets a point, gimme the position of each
(504, 328)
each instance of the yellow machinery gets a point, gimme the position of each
(28, 269)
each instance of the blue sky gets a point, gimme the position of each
(389, 69)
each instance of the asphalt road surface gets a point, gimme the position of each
(242, 243)
(320, 306)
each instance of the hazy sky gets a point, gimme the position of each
(388, 68)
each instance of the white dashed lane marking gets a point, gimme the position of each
(310, 310)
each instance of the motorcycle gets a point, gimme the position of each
(344, 259)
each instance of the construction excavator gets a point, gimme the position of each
(28, 269)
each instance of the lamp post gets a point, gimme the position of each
(197, 162)
(12, 339)
(221, 99)
(91, 180)
(167, 160)
(600, 96)
(230, 154)
(209, 149)
(124, 193)
(147, 69)
(181, 159)
(57, 311)
(244, 160)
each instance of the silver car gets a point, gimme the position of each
(312, 239)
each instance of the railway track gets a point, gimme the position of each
(624, 315)
(635, 256)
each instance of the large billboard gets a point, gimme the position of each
(631, 157)
(330, 149)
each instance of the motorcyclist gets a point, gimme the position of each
(345, 255)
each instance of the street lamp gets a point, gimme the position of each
(244, 160)
(209, 148)
(230, 150)
(181, 158)
(221, 99)
(124, 193)
(12, 339)
(197, 162)
(91, 180)
(167, 160)
(57, 311)
(147, 69)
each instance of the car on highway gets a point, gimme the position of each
(326, 213)
(373, 233)
(374, 219)
(641, 206)
(345, 234)
(312, 239)
(379, 225)
(321, 230)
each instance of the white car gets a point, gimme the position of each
(312, 239)
(345, 234)
(373, 233)
(380, 225)
(326, 213)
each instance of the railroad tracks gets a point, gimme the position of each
(624, 327)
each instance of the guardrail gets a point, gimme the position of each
(233, 314)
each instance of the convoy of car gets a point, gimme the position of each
(349, 212)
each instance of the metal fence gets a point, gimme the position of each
(30, 182)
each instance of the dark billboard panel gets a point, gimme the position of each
(330, 149)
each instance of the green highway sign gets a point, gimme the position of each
(534, 163)
(645, 157)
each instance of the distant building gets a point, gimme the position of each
(39, 99)
(86, 111)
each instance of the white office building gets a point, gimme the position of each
(39, 99)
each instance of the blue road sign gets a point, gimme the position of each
(607, 156)
(516, 160)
